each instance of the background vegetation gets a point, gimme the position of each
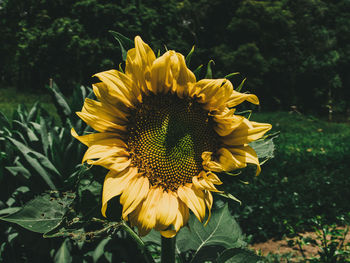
(294, 52)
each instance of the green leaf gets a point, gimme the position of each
(9, 210)
(62, 105)
(221, 231)
(123, 42)
(265, 147)
(37, 161)
(241, 85)
(189, 56)
(209, 74)
(238, 255)
(4, 122)
(153, 237)
(63, 255)
(231, 75)
(19, 169)
(33, 112)
(44, 135)
(43, 213)
(25, 129)
(230, 196)
(197, 71)
(100, 249)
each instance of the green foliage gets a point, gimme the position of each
(38, 154)
(330, 241)
(293, 53)
(308, 176)
(221, 240)
(43, 213)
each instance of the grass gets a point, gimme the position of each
(10, 98)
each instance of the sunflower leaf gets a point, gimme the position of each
(123, 42)
(241, 85)
(265, 147)
(238, 255)
(209, 74)
(43, 213)
(222, 232)
(197, 71)
(228, 76)
(189, 56)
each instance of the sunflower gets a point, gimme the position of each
(162, 135)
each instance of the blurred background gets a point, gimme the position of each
(295, 55)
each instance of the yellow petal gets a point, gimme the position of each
(99, 124)
(182, 216)
(226, 122)
(237, 98)
(160, 79)
(246, 154)
(105, 111)
(168, 233)
(184, 77)
(144, 217)
(208, 198)
(109, 153)
(194, 199)
(139, 61)
(103, 94)
(114, 184)
(166, 210)
(245, 133)
(119, 86)
(106, 147)
(213, 92)
(134, 193)
(202, 182)
(213, 178)
(94, 138)
(225, 161)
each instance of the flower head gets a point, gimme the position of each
(162, 135)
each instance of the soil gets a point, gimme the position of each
(281, 247)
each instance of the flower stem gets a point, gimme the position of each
(140, 243)
(168, 250)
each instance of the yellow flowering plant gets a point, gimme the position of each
(167, 140)
(163, 135)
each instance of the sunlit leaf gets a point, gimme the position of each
(43, 213)
(222, 231)
(264, 147)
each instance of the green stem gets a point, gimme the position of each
(140, 243)
(168, 250)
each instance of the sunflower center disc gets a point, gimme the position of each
(167, 137)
